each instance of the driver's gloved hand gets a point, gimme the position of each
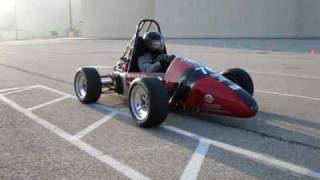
(162, 58)
(172, 56)
(165, 58)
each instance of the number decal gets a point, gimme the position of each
(234, 86)
(202, 69)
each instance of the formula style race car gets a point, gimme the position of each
(184, 85)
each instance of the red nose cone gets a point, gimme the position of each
(224, 100)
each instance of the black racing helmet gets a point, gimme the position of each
(154, 41)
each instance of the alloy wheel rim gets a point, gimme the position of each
(139, 103)
(81, 85)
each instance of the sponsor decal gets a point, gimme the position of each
(202, 69)
(212, 106)
(208, 98)
(136, 75)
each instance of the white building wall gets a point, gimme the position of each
(114, 18)
(228, 18)
(310, 25)
(204, 18)
(37, 18)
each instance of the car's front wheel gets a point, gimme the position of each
(148, 102)
(87, 85)
(240, 77)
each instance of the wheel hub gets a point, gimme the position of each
(139, 103)
(81, 85)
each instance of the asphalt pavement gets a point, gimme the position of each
(45, 133)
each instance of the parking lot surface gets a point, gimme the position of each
(45, 133)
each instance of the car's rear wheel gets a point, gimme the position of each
(118, 85)
(240, 77)
(148, 102)
(87, 85)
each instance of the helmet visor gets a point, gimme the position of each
(157, 45)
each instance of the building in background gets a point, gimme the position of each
(204, 18)
(114, 18)
(41, 19)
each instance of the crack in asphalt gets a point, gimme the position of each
(262, 134)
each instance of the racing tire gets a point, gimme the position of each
(241, 78)
(118, 85)
(148, 102)
(87, 85)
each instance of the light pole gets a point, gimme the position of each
(16, 19)
(70, 19)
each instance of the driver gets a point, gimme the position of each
(154, 60)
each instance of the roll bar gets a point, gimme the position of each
(139, 27)
(143, 22)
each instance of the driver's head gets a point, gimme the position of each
(154, 42)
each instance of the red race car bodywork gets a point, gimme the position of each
(194, 87)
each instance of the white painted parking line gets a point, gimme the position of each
(54, 90)
(194, 165)
(288, 95)
(47, 103)
(247, 153)
(94, 126)
(104, 107)
(250, 154)
(8, 89)
(125, 170)
(20, 90)
(286, 75)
